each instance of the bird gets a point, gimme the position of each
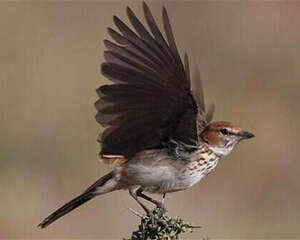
(158, 133)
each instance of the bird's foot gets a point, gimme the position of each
(152, 218)
(162, 206)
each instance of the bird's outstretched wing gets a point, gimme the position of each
(150, 101)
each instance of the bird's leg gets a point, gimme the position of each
(158, 204)
(135, 196)
(148, 212)
(163, 199)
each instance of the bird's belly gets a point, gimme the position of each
(181, 181)
(154, 179)
(162, 179)
(163, 175)
(191, 179)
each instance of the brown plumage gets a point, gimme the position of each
(211, 132)
(157, 129)
(113, 159)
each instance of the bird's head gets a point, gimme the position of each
(221, 137)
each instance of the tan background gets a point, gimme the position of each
(249, 55)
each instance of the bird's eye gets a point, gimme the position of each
(224, 131)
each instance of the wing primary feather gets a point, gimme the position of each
(129, 54)
(156, 32)
(172, 44)
(129, 34)
(136, 47)
(169, 34)
(125, 74)
(197, 90)
(117, 36)
(210, 113)
(126, 31)
(113, 57)
(187, 69)
(144, 34)
(153, 26)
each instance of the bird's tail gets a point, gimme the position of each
(103, 185)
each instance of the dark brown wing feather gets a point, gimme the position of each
(150, 101)
(204, 117)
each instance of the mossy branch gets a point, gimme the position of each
(159, 226)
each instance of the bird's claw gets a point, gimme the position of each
(161, 206)
(163, 198)
(151, 216)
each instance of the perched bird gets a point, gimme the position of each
(157, 130)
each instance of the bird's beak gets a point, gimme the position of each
(246, 135)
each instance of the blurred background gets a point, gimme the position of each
(249, 56)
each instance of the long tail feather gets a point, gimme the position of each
(68, 207)
(99, 187)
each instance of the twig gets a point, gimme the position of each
(160, 226)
